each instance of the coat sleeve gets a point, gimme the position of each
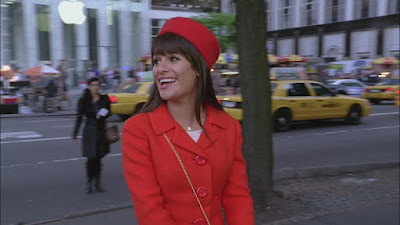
(140, 176)
(236, 199)
(79, 115)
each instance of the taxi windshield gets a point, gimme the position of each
(132, 88)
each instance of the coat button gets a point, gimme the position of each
(201, 192)
(199, 222)
(200, 160)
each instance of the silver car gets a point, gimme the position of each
(350, 87)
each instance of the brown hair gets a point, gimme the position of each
(172, 43)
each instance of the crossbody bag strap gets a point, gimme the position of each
(187, 176)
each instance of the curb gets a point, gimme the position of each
(282, 174)
(296, 173)
(65, 113)
(82, 214)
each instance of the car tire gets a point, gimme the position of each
(342, 93)
(282, 119)
(124, 117)
(354, 115)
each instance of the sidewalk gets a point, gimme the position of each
(367, 196)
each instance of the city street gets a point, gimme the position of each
(43, 175)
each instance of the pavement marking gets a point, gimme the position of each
(342, 131)
(383, 114)
(71, 125)
(23, 134)
(36, 140)
(52, 161)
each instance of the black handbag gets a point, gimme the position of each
(112, 134)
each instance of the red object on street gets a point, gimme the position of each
(10, 100)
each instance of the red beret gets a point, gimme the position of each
(197, 34)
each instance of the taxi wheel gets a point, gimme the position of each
(282, 119)
(354, 115)
(124, 117)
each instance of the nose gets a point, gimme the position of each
(162, 65)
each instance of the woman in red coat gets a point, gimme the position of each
(182, 114)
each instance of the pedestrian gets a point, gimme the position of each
(182, 122)
(96, 108)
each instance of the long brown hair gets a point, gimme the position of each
(170, 43)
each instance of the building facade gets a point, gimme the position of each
(334, 29)
(114, 34)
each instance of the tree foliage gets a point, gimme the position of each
(223, 26)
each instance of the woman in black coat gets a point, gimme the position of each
(96, 108)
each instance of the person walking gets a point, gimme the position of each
(182, 154)
(96, 108)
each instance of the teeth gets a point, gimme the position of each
(167, 80)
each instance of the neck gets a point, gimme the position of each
(185, 116)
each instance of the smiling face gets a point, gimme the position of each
(175, 77)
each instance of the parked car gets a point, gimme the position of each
(302, 100)
(350, 87)
(384, 90)
(128, 100)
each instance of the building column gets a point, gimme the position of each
(82, 47)
(382, 7)
(145, 27)
(125, 38)
(321, 12)
(103, 36)
(5, 35)
(56, 35)
(349, 10)
(275, 14)
(297, 14)
(30, 35)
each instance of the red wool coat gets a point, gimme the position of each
(159, 189)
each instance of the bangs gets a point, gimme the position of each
(170, 43)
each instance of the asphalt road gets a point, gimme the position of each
(42, 172)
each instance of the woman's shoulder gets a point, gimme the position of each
(140, 121)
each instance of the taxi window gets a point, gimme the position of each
(273, 87)
(390, 82)
(297, 89)
(130, 88)
(321, 90)
(351, 84)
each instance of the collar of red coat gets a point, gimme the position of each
(162, 121)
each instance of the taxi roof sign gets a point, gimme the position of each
(288, 73)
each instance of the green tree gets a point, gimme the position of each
(223, 26)
(256, 92)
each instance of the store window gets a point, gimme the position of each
(309, 12)
(202, 5)
(394, 6)
(334, 11)
(156, 25)
(43, 29)
(364, 9)
(286, 11)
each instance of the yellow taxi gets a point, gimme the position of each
(397, 98)
(384, 90)
(128, 100)
(301, 100)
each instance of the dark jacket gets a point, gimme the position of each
(94, 143)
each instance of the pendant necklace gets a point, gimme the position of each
(189, 129)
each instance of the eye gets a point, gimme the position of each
(174, 58)
(156, 61)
